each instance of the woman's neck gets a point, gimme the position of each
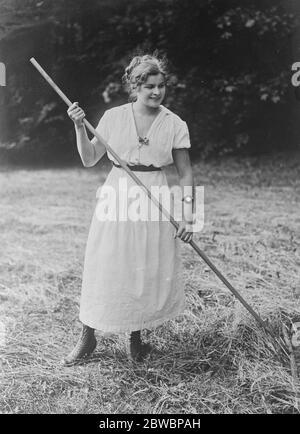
(144, 110)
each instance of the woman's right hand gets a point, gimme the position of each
(76, 114)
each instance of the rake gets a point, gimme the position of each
(279, 341)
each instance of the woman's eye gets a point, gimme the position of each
(151, 87)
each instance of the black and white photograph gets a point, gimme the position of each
(149, 210)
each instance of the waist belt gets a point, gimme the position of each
(140, 167)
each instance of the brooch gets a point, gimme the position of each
(143, 141)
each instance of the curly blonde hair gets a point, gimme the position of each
(139, 69)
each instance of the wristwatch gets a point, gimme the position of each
(187, 199)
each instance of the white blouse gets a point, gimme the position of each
(168, 131)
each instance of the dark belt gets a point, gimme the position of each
(140, 167)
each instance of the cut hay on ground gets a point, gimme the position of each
(212, 359)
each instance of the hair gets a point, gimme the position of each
(139, 69)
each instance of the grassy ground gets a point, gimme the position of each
(212, 359)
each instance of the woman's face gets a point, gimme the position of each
(152, 92)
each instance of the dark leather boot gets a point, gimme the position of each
(84, 347)
(138, 350)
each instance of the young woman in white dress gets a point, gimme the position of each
(132, 267)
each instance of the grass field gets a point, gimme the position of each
(212, 359)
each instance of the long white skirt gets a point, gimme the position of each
(132, 276)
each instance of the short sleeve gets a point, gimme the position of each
(103, 127)
(182, 136)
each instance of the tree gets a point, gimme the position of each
(229, 61)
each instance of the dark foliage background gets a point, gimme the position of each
(230, 63)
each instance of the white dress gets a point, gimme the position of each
(132, 268)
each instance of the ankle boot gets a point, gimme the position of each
(138, 350)
(84, 347)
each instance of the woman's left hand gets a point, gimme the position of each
(184, 232)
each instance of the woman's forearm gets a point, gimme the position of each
(85, 146)
(187, 185)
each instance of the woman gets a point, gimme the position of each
(132, 268)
